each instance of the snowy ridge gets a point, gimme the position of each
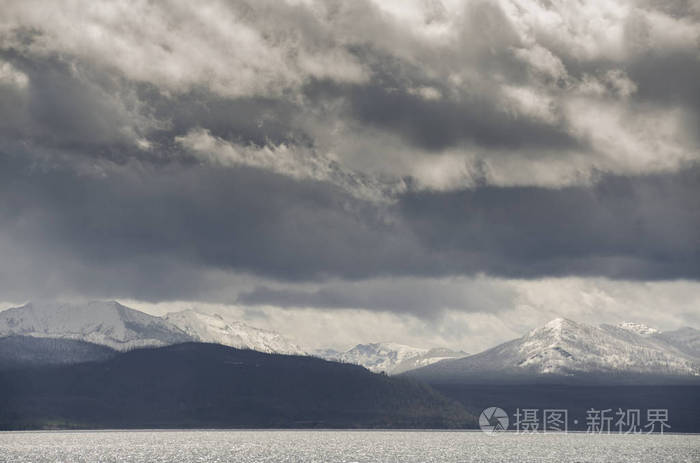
(217, 329)
(564, 347)
(107, 323)
(119, 327)
(391, 358)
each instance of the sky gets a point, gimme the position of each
(438, 173)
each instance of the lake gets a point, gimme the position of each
(342, 446)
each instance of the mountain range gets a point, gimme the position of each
(121, 328)
(560, 349)
(102, 364)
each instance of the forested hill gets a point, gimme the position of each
(208, 385)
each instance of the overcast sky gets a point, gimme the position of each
(429, 172)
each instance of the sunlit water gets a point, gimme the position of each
(342, 446)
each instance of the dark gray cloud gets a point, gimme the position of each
(437, 125)
(622, 227)
(314, 143)
(423, 297)
(144, 228)
(63, 108)
(680, 88)
(204, 217)
(80, 110)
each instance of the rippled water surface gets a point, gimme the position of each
(341, 446)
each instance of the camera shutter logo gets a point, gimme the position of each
(493, 419)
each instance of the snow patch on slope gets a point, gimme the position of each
(215, 328)
(638, 328)
(388, 357)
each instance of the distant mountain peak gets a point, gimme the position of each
(638, 328)
(101, 322)
(556, 323)
(563, 347)
(390, 357)
(559, 324)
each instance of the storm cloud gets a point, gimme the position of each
(250, 220)
(163, 152)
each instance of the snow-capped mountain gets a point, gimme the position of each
(119, 327)
(215, 328)
(106, 323)
(435, 355)
(565, 348)
(391, 358)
